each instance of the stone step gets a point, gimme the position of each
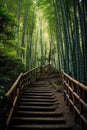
(39, 114)
(42, 127)
(36, 108)
(38, 120)
(38, 91)
(38, 100)
(40, 85)
(37, 96)
(38, 103)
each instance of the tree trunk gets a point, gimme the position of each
(22, 54)
(41, 44)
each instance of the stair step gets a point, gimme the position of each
(37, 91)
(36, 108)
(33, 120)
(39, 114)
(38, 103)
(45, 87)
(42, 127)
(40, 85)
(37, 100)
(39, 94)
(38, 97)
(38, 88)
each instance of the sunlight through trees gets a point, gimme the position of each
(46, 31)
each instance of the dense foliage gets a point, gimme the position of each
(7, 24)
(41, 32)
(67, 28)
(10, 66)
(10, 69)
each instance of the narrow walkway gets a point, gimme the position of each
(42, 107)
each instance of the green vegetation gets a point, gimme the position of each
(67, 29)
(10, 66)
(10, 69)
(58, 84)
(7, 23)
(57, 87)
(38, 32)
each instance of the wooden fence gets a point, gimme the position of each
(75, 94)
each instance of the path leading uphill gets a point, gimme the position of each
(41, 107)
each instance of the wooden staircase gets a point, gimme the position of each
(33, 103)
(38, 108)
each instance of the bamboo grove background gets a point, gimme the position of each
(47, 31)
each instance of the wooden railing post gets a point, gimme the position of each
(65, 89)
(73, 98)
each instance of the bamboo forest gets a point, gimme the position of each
(35, 33)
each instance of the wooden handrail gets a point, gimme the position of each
(13, 86)
(12, 97)
(13, 94)
(74, 96)
(76, 82)
(30, 71)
